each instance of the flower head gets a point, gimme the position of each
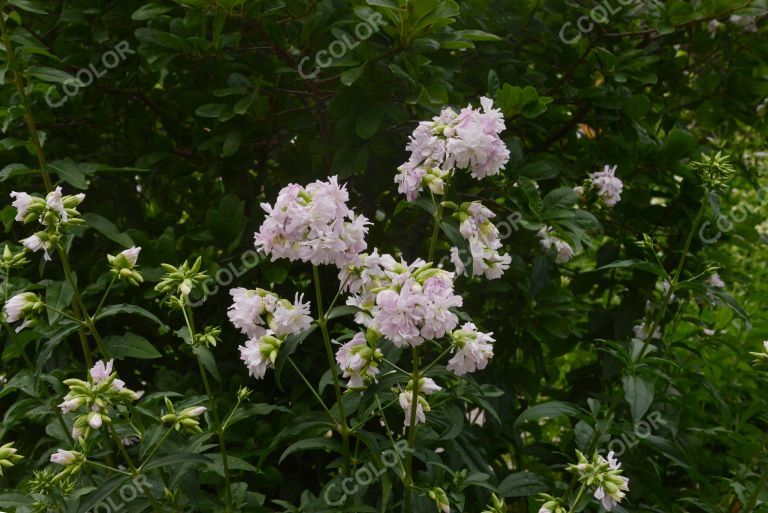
(313, 224)
(607, 185)
(473, 350)
(563, 250)
(260, 353)
(27, 306)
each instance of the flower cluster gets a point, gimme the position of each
(313, 224)
(605, 475)
(94, 398)
(27, 306)
(251, 311)
(123, 265)
(185, 419)
(54, 210)
(484, 243)
(468, 139)
(427, 386)
(8, 456)
(473, 350)
(607, 186)
(359, 359)
(563, 250)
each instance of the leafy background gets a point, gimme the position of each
(177, 146)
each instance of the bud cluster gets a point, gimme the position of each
(181, 280)
(94, 397)
(122, 265)
(54, 212)
(186, 419)
(8, 456)
(604, 475)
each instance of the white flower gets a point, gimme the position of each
(22, 202)
(563, 250)
(709, 332)
(473, 350)
(746, 23)
(64, 457)
(641, 331)
(100, 372)
(712, 27)
(94, 420)
(54, 202)
(290, 318)
(427, 386)
(35, 243)
(245, 313)
(406, 401)
(23, 306)
(608, 186)
(131, 255)
(259, 353)
(715, 281)
(358, 361)
(457, 262)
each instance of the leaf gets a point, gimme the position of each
(341, 311)
(58, 295)
(552, 409)
(349, 76)
(635, 263)
(52, 75)
(478, 35)
(369, 122)
(69, 171)
(208, 361)
(104, 490)
(149, 11)
(179, 458)
(558, 199)
(288, 348)
(124, 308)
(106, 228)
(639, 394)
(130, 345)
(311, 443)
(522, 484)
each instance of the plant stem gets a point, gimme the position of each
(415, 377)
(322, 321)
(28, 119)
(104, 297)
(312, 389)
(154, 449)
(675, 279)
(131, 466)
(438, 218)
(576, 501)
(186, 309)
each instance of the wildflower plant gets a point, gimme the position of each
(473, 244)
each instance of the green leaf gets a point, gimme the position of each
(523, 484)
(208, 361)
(327, 444)
(69, 171)
(51, 75)
(638, 264)
(288, 348)
(106, 228)
(478, 35)
(104, 490)
(130, 345)
(639, 395)
(552, 409)
(127, 309)
(175, 459)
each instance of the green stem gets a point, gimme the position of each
(65, 314)
(28, 118)
(415, 377)
(322, 322)
(675, 279)
(312, 389)
(576, 501)
(211, 405)
(154, 449)
(131, 466)
(104, 297)
(438, 219)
